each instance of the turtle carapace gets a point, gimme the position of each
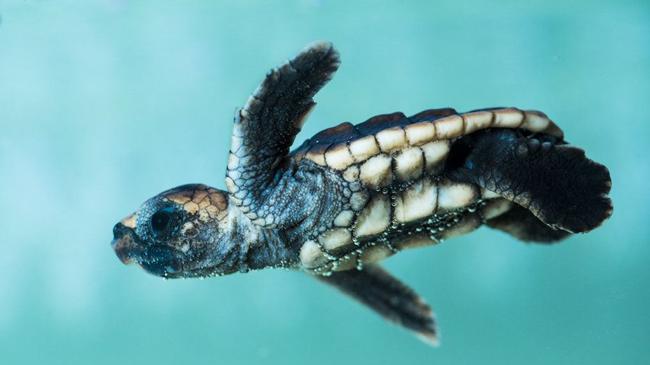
(353, 195)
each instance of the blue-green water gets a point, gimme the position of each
(105, 103)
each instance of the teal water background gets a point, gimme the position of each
(106, 103)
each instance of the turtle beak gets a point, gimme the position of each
(123, 243)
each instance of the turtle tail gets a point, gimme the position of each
(560, 189)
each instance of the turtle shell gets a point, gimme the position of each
(346, 144)
(399, 198)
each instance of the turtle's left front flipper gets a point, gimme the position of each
(389, 297)
(267, 125)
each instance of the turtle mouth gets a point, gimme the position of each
(158, 260)
(124, 244)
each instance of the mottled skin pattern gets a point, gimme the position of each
(355, 194)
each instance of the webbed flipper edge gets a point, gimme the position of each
(389, 297)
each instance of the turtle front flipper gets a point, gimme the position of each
(555, 181)
(267, 125)
(389, 297)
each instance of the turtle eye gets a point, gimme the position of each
(161, 222)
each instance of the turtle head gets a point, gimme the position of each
(182, 232)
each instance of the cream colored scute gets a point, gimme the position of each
(495, 207)
(477, 120)
(358, 200)
(375, 218)
(344, 219)
(419, 133)
(409, 163)
(335, 238)
(466, 225)
(310, 255)
(508, 118)
(319, 158)
(535, 121)
(351, 173)
(339, 157)
(449, 127)
(391, 139)
(418, 202)
(376, 171)
(435, 153)
(364, 148)
(375, 253)
(455, 195)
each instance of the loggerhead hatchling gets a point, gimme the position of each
(353, 195)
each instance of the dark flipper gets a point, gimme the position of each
(385, 294)
(523, 225)
(267, 125)
(555, 181)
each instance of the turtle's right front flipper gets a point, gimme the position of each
(553, 180)
(389, 297)
(267, 125)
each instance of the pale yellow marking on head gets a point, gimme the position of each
(455, 195)
(376, 171)
(199, 195)
(421, 132)
(364, 148)
(203, 204)
(339, 157)
(130, 221)
(418, 202)
(186, 227)
(218, 199)
(181, 198)
(335, 238)
(191, 207)
(449, 127)
(375, 218)
(409, 164)
(391, 139)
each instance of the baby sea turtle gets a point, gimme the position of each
(353, 195)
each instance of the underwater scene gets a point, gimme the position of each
(106, 103)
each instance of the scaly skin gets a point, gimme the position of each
(355, 194)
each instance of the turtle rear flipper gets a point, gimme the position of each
(389, 297)
(523, 225)
(556, 182)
